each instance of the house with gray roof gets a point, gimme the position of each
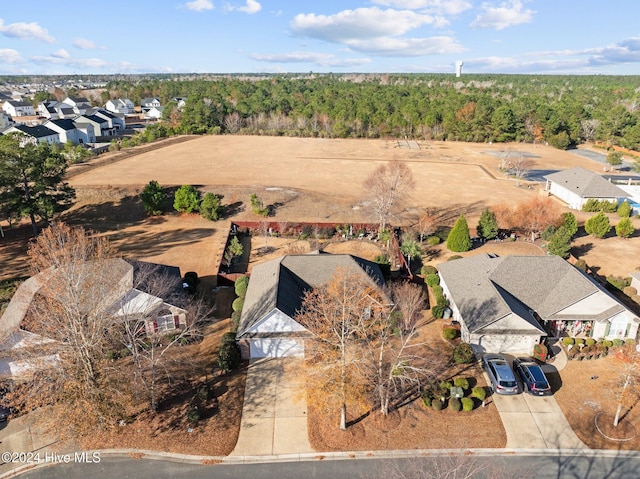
(508, 304)
(268, 327)
(35, 134)
(577, 185)
(70, 131)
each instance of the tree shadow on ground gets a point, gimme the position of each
(232, 209)
(142, 242)
(581, 250)
(108, 215)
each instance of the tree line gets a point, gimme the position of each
(560, 110)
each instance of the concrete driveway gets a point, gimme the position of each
(535, 422)
(274, 415)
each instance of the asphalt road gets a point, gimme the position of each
(583, 465)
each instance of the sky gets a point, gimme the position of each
(339, 36)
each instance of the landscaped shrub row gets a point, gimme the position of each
(590, 348)
(592, 206)
(437, 396)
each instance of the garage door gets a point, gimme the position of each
(506, 344)
(276, 348)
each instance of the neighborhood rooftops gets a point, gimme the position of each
(38, 131)
(586, 184)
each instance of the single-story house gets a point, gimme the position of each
(508, 304)
(268, 327)
(132, 296)
(577, 185)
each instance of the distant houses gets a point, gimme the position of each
(120, 105)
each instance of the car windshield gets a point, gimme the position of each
(537, 373)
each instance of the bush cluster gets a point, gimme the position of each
(619, 282)
(449, 333)
(427, 269)
(463, 353)
(593, 206)
(432, 280)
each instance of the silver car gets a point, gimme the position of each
(503, 381)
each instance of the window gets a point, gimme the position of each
(165, 323)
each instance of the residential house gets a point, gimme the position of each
(64, 110)
(577, 185)
(268, 327)
(5, 121)
(46, 109)
(150, 103)
(154, 113)
(79, 104)
(68, 130)
(115, 121)
(509, 304)
(35, 134)
(120, 105)
(15, 108)
(101, 126)
(180, 102)
(131, 297)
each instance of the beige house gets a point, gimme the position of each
(508, 304)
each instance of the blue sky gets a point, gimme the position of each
(273, 36)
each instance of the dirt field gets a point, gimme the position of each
(305, 179)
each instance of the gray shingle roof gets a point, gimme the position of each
(486, 289)
(38, 131)
(281, 283)
(586, 184)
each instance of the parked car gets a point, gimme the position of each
(533, 377)
(503, 381)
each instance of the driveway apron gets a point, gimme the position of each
(274, 414)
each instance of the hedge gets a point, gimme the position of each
(467, 404)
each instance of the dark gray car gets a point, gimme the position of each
(533, 377)
(503, 381)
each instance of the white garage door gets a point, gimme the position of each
(276, 348)
(507, 344)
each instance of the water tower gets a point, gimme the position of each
(459, 68)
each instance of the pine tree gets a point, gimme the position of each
(211, 207)
(624, 210)
(570, 223)
(560, 243)
(153, 197)
(459, 239)
(488, 225)
(598, 225)
(625, 228)
(186, 199)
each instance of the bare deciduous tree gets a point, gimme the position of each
(588, 129)
(409, 299)
(520, 167)
(389, 186)
(339, 316)
(80, 280)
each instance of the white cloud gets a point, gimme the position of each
(250, 7)
(507, 14)
(62, 53)
(375, 31)
(94, 63)
(320, 59)
(360, 24)
(26, 31)
(439, 7)
(407, 47)
(9, 55)
(199, 5)
(84, 44)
